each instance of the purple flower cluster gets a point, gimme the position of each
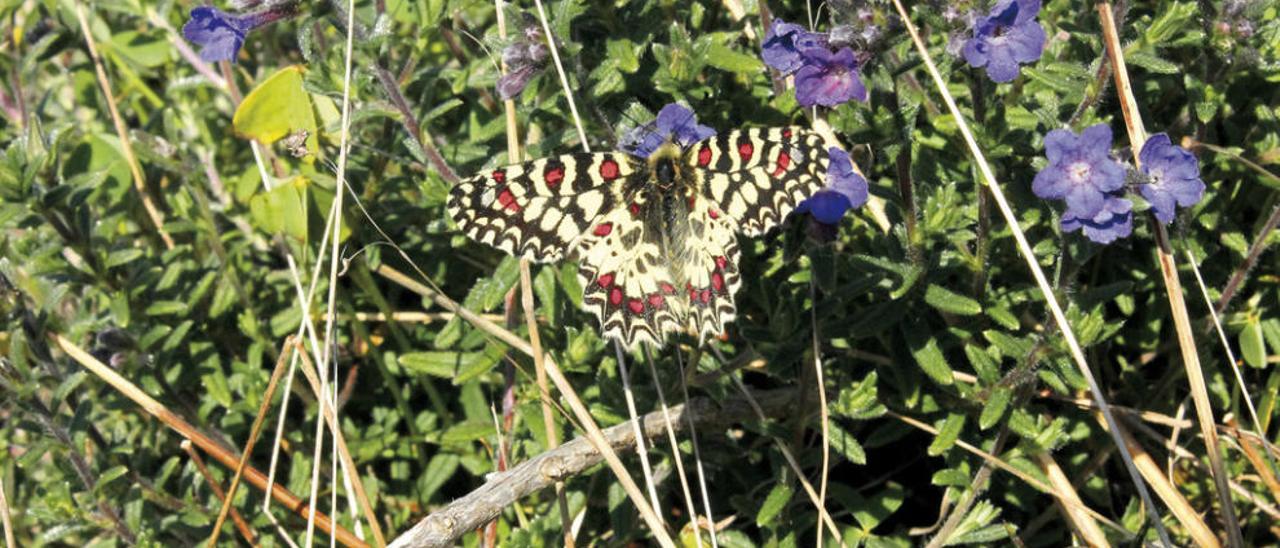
(674, 122)
(1082, 172)
(1173, 177)
(823, 76)
(220, 34)
(525, 58)
(1008, 36)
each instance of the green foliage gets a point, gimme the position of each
(922, 304)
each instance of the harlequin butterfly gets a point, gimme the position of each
(655, 238)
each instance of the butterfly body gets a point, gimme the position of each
(655, 238)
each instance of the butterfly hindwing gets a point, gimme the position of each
(626, 282)
(757, 176)
(538, 209)
(710, 264)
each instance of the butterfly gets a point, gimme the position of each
(655, 238)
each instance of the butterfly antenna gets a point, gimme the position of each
(675, 448)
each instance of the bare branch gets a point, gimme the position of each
(444, 526)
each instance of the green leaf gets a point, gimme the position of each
(1152, 62)
(724, 58)
(1251, 344)
(110, 475)
(467, 431)
(994, 409)
(283, 210)
(846, 444)
(948, 301)
(773, 504)
(440, 470)
(278, 107)
(947, 434)
(924, 348)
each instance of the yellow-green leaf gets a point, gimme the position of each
(276, 108)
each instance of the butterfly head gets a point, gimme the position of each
(665, 166)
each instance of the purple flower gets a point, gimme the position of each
(525, 58)
(1174, 177)
(674, 122)
(1080, 170)
(828, 79)
(1005, 38)
(845, 190)
(784, 44)
(220, 34)
(1113, 221)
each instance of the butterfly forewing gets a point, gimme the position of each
(758, 176)
(539, 209)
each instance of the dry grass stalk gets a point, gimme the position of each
(330, 417)
(526, 301)
(206, 443)
(241, 525)
(253, 439)
(1173, 287)
(1190, 518)
(126, 145)
(1084, 526)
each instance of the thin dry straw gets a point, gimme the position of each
(791, 461)
(697, 457)
(241, 525)
(675, 449)
(1226, 347)
(4, 516)
(248, 445)
(1033, 482)
(1025, 248)
(822, 400)
(126, 144)
(641, 448)
(1173, 287)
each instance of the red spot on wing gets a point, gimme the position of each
(706, 296)
(746, 151)
(717, 281)
(634, 208)
(500, 175)
(609, 169)
(605, 280)
(786, 133)
(615, 297)
(656, 300)
(508, 200)
(636, 306)
(668, 289)
(553, 176)
(721, 262)
(603, 229)
(784, 160)
(704, 155)
(713, 213)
